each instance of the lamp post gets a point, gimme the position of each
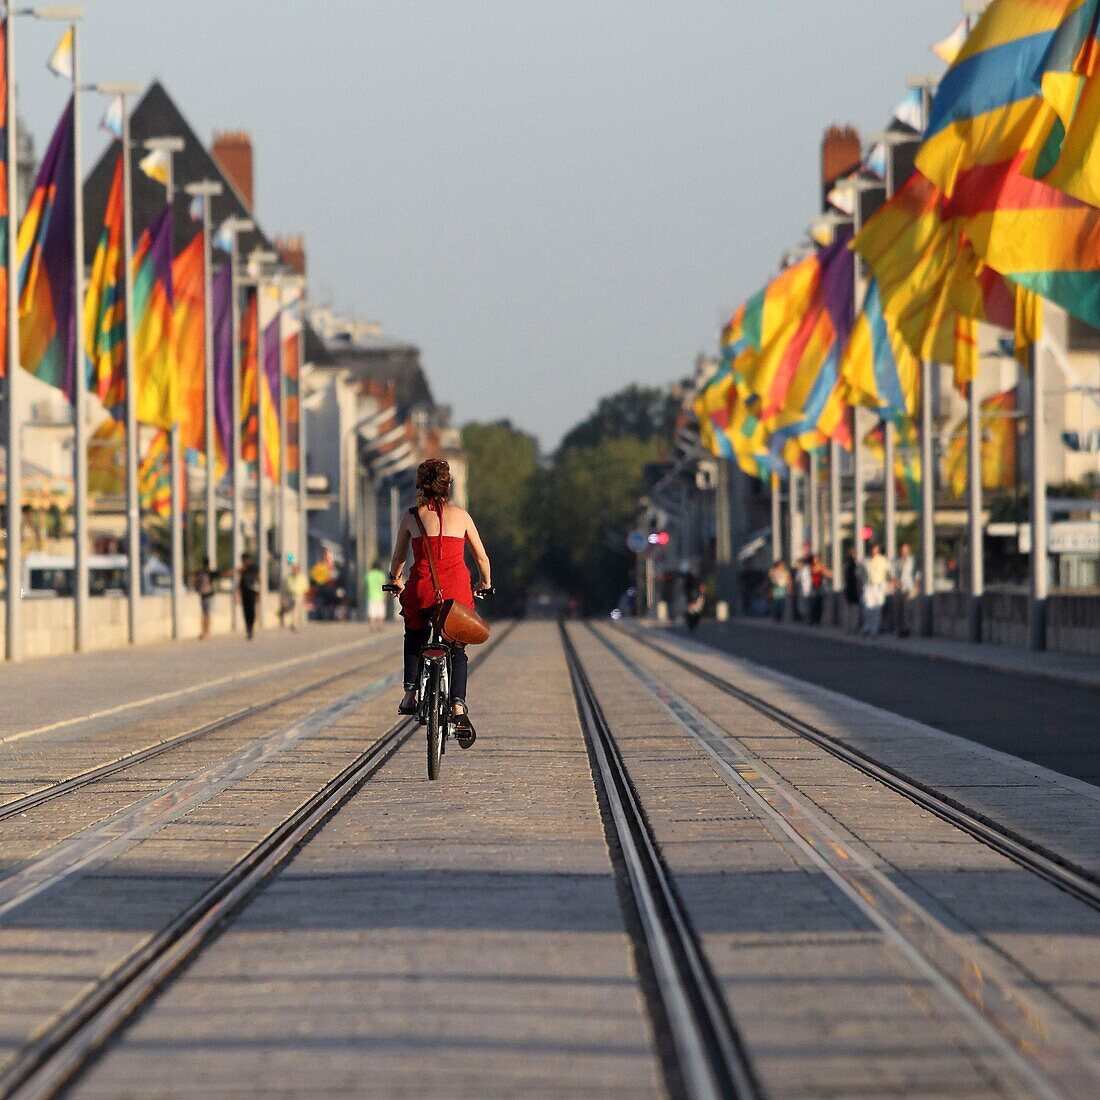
(207, 190)
(258, 259)
(68, 13)
(170, 146)
(233, 226)
(133, 503)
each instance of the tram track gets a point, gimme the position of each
(711, 1059)
(68, 1045)
(1054, 868)
(991, 1002)
(16, 806)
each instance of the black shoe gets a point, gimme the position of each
(465, 734)
(408, 703)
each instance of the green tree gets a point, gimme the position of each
(588, 506)
(503, 464)
(641, 412)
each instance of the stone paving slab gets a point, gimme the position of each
(54, 699)
(828, 1006)
(1056, 811)
(462, 938)
(1039, 940)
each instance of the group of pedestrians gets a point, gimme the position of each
(878, 584)
(871, 588)
(802, 584)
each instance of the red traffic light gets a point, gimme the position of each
(659, 538)
(867, 533)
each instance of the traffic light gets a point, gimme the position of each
(659, 538)
(867, 533)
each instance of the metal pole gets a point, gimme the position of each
(261, 503)
(14, 517)
(1040, 579)
(133, 503)
(794, 516)
(927, 500)
(303, 513)
(815, 532)
(889, 490)
(974, 513)
(80, 378)
(836, 546)
(235, 412)
(857, 486)
(777, 520)
(281, 481)
(175, 465)
(208, 386)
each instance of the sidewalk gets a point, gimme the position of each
(1070, 668)
(51, 694)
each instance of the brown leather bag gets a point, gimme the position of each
(457, 623)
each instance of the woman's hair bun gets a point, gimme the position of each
(433, 480)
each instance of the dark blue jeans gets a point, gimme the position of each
(415, 641)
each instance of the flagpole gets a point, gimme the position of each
(80, 381)
(205, 190)
(133, 502)
(927, 499)
(836, 548)
(889, 490)
(1040, 579)
(976, 577)
(14, 516)
(811, 507)
(303, 511)
(170, 145)
(794, 514)
(777, 522)
(281, 481)
(261, 504)
(235, 411)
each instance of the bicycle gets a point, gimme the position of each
(433, 689)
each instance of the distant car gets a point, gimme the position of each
(48, 575)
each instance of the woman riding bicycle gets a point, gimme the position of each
(449, 530)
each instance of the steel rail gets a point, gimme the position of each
(1077, 881)
(711, 1058)
(101, 771)
(64, 1049)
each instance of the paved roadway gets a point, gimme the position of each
(1053, 724)
(482, 936)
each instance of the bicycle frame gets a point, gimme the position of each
(436, 651)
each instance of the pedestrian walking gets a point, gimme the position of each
(373, 597)
(248, 589)
(819, 574)
(779, 587)
(905, 581)
(696, 594)
(876, 582)
(292, 594)
(851, 593)
(204, 580)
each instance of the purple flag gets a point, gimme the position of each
(271, 360)
(221, 292)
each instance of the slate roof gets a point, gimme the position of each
(156, 115)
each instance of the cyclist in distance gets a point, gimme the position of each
(450, 530)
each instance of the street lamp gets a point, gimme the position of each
(206, 190)
(69, 13)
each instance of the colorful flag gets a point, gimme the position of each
(112, 118)
(157, 165)
(223, 237)
(270, 390)
(907, 465)
(189, 329)
(222, 302)
(999, 428)
(947, 49)
(3, 202)
(105, 308)
(292, 408)
(156, 375)
(61, 60)
(155, 477)
(47, 313)
(250, 380)
(877, 367)
(910, 110)
(194, 208)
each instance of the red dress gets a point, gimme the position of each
(449, 554)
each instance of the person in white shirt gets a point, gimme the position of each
(905, 579)
(876, 587)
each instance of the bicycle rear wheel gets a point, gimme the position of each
(435, 728)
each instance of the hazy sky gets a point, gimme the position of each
(552, 198)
